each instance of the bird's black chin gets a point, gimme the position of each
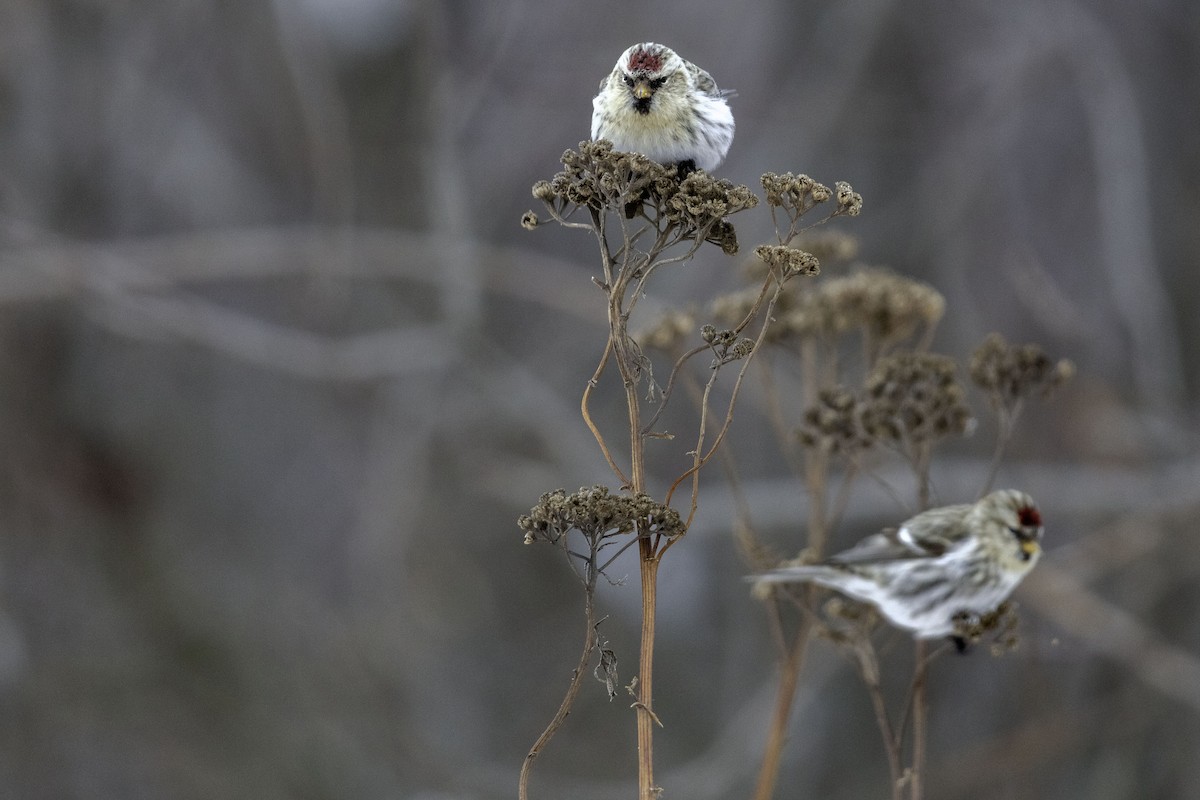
(642, 105)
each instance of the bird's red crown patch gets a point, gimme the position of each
(645, 61)
(1029, 517)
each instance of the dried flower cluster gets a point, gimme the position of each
(798, 194)
(849, 201)
(1008, 372)
(914, 398)
(701, 204)
(788, 260)
(793, 192)
(726, 344)
(886, 307)
(597, 177)
(1001, 624)
(849, 623)
(908, 398)
(833, 423)
(596, 513)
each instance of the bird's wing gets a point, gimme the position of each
(883, 546)
(930, 533)
(705, 84)
(937, 530)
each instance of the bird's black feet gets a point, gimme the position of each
(960, 644)
(685, 168)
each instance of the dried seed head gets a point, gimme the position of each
(849, 201)
(1009, 372)
(701, 203)
(793, 193)
(596, 513)
(833, 424)
(1000, 624)
(788, 260)
(912, 398)
(887, 307)
(600, 178)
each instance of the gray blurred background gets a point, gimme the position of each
(279, 369)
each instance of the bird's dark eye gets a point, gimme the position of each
(1024, 534)
(657, 82)
(629, 81)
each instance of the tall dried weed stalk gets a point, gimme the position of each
(645, 217)
(856, 344)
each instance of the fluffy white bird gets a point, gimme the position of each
(942, 563)
(668, 109)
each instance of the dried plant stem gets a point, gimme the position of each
(869, 667)
(645, 713)
(701, 456)
(564, 708)
(585, 410)
(1006, 419)
(622, 348)
(920, 716)
(814, 467)
(768, 772)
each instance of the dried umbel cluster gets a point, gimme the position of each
(885, 307)
(597, 514)
(914, 398)
(798, 194)
(726, 344)
(1000, 625)
(597, 177)
(833, 423)
(788, 260)
(702, 203)
(907, 399)
(1009, 372)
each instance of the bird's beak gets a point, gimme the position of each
(642, 90)
(1029, 547)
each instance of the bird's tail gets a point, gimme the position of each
(808, 573)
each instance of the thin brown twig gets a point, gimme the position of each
(737, 384)
(585, 410)
(564, 708)
(768, 773)
(920, 719)
(869, 670)
(1006, 421)
(670, 387)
